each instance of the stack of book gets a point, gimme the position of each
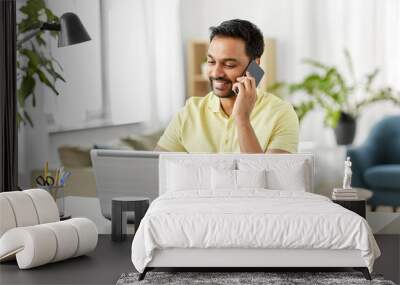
(344, 194)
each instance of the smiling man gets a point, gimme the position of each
(253, 121)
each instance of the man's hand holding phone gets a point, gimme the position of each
(246, 97)
(246, 91)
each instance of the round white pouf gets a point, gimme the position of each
(37, 245)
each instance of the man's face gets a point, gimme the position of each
(226, 61)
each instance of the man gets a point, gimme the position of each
(253, 121)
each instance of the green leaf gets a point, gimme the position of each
(349, 63)
(28, 24)
(43, 78)
(35, 5)
(303, 108)
(33, 100)
(40, 40)
(276, 86)
(28, 118)
(55, 74)
(50, 16)
(20, 119)
(57, 62)
(370, 79)
(331, 118)
(26, 88)
(33, 57)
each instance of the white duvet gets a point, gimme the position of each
(251, 218)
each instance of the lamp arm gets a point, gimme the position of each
(43, 27)
(51, 27)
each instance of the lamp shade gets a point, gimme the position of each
(72, 30)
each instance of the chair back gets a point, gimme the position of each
(386, 136)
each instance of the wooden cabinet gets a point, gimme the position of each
(199, 85)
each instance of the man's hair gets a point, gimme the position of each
(244, 30)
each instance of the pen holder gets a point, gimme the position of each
(57, 192)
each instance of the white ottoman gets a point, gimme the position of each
(31, 232)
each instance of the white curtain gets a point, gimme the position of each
(143, 60)
(164, 43)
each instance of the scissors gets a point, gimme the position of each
(48, 181)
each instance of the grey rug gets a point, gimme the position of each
(270, 278)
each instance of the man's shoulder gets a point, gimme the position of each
(197, 102)
(199, 99)
(272, 101)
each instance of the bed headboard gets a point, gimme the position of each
(282, 165)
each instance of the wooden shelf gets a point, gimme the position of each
(198, 85)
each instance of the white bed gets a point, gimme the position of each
(200, 223)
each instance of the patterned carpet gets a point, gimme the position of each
(269, 278)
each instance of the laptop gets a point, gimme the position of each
(124, 173)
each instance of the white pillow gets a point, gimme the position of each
(237, 179)
(293, 180)
(282, 173)
(193, 173)
(223, 179)
(187, 177)
(251, 178)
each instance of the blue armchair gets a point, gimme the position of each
(376, 163)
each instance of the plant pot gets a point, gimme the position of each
(346, 129)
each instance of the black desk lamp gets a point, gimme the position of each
(71, 31)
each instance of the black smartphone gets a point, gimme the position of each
(255, 70)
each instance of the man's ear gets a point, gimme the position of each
(258, 60)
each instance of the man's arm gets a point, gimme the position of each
(242, 108)
(285, 138)
(171, 139)
(244, 104)
(286, 132)
(248, 140)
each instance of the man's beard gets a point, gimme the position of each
(229, 94)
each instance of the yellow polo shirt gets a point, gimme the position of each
(202, 126)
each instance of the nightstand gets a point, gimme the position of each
(119, 207)
(358, 206)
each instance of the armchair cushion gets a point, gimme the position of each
(383, 177)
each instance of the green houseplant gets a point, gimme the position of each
(34, 62)
(326, 87)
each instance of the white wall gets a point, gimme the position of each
(125, 61)
(81, 95)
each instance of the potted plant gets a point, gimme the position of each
(327, 88)
(34, 62)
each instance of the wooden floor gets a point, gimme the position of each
(103, 266)
(111, 259)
